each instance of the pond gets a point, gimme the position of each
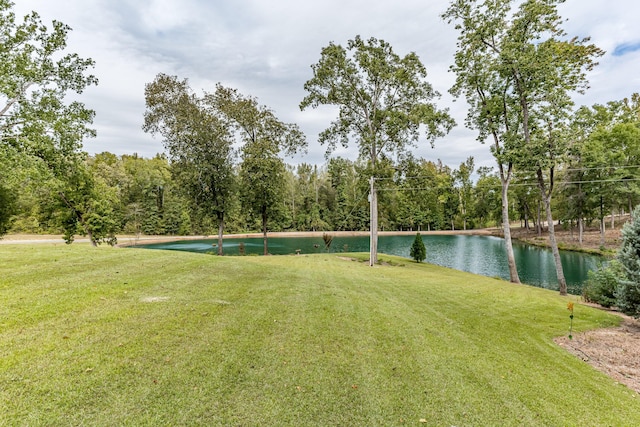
(482, 255)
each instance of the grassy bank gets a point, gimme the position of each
(137, 337)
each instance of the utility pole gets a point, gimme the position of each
(373, 225)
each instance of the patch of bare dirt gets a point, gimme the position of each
(614, 351)
(570, 239)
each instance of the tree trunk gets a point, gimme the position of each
(546, 197)
(613, 219)
(373, 244)
(580, 229)
(562, 282)
(220, 232)
(90, 235)
(86, 229)
(539, 224)
(571, 228)
(511, 259)
(602, 224)
(264, 230)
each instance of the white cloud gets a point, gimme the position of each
(265, 49)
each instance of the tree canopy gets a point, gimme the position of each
(37, 118)
(383, 99)
(198, 142)
(517, 70)
(35, 77)
(264, 137)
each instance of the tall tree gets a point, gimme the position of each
(36, 118)
(264, 137)
(590, 168)
(545, 77)
(198, 141)
(311, 189)
(418, 195)
(383, 101)
(464, 185)
(350, 211)
(86, 204)
(487, 207)
(576, 186)
(517, 72)
(261, 175)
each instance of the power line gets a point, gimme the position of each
(602, 168)
(518, 184)
(558, 170)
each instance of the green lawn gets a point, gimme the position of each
(143, 337)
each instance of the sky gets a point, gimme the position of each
(265, 49)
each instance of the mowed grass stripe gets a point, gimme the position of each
(140, 337)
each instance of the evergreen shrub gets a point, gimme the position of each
(418, 251)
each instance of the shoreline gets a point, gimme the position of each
(289, 234)
(128, 240)
(566, 241)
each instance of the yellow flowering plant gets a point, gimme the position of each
(570, 308)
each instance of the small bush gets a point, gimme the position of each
(602, 284)
(418, 252)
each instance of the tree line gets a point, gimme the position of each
(145, 196)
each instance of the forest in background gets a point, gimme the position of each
(141, 196)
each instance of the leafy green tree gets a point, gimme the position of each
(261, 183)
(488, 203)
(628, 292)
(622, 145)
(464, 185)
(479, 78)
(383, 101)
(27, 181)
(427, 200)
(264, 137)
(575, 186)
(309, 198)
(517, 73)
(85, 204)
(525, 197)
(418, 251)
(603, 158)
(36, 77)
(7, 209)
(447, 195)
(198, 141)
(350, 188)
(593, 172)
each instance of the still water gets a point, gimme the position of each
(476, 254)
